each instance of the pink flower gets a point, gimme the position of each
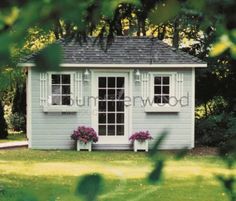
(141, 136)
(85, 134)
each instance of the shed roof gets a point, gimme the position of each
(124, 50)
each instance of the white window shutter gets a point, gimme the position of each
(79, 87)
(179, 85)
(145, 85)
(43, 89)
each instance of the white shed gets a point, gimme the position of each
(138, 84)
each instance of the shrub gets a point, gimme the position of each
(3, 124)
(215, 130)
(85, 134)
(141, 136)
(17, 122)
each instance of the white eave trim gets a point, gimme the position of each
(123, 65)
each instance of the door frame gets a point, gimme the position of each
(128, 74)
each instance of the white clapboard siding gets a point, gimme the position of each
(179, 125)
(53, 130)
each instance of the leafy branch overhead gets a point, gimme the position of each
(78, 19)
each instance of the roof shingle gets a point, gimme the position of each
(124, 50)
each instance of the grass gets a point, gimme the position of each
(14, 136)
(53, 175)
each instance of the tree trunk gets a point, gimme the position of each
(176, 34)
(143, 26)
(205, 107)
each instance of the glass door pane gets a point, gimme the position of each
(111, 118)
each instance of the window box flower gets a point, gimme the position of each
(84, 136)
(140, 140)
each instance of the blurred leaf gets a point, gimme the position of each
(228, 184)
(27, 197)
(181, 153)
(157, 144)
(12, 16)
(155, 175)
(228, 151)
(164, 12)
(108, 6)
(2, 190)
(199, 4)
(90, 186)
(221, 46)
(49, 58)
(233, 51)
(5, 41)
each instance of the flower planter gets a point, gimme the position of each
(140, 145)
(82, 145)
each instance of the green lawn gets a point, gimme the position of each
(53, 175)
(14, 137)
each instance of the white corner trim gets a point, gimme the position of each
(193, 109)
(123, 65)
(130, 109)
(29, 107)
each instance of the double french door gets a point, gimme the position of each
(111, 111)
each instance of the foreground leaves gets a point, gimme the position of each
(49, 58)
(90, 186)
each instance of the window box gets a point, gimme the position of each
(60, 108)
(162, 108)
(82, 145)
(140, 145)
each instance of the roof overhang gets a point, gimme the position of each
(123, 65)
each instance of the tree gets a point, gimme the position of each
(18, 117)
(3, 124)
(19, 101)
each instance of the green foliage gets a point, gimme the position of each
(228, 184)
(154, 152)
(17, 118)
(158, 158)
(215, 130)
(3, 124)
(90, 186)
(181, 153)
(215, 106)
(19, 100)
(27, 197)
(228, 151)
(160, 15)
(45, 62)
(17, 122)
(15, 136)
(156, 174)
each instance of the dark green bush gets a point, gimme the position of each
(215, 130)
(3, 124)
(17, 122)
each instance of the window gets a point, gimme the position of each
(61, 89)
(162, 96)
(161, 89)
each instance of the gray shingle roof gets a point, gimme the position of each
(124, 50)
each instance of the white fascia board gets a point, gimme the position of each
(123, 65)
